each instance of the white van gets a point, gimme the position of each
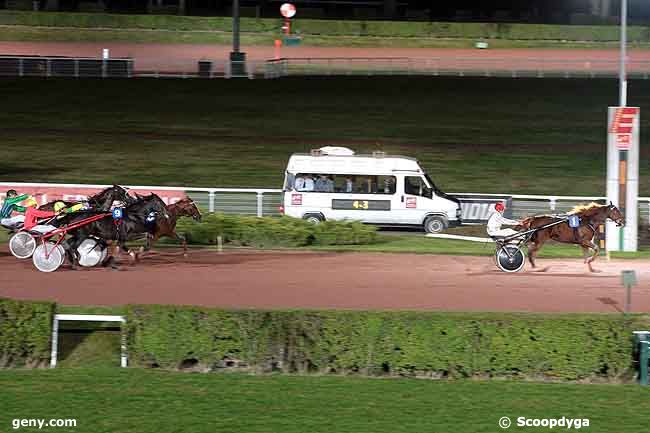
(332, 183)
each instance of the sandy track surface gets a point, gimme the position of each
(246, 279)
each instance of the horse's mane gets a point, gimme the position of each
(583, 208)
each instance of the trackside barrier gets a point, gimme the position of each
(266, 201)
(78, 67)
(86, 318)
(481, 66)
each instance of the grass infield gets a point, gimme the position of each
(523, 136)
(115, 400)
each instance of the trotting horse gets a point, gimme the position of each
(167, 226)
(591, 216)
(101, 201)
(133, 225)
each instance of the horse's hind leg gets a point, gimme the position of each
(532, 249)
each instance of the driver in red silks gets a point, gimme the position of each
(31, 219)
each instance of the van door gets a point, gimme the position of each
(414, 199)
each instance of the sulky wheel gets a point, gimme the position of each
(90, 253)
(22, 245)
(510, 258)
(47, 257)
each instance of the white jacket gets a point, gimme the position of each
(495, 222)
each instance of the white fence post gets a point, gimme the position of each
(55, 342)
(211, 201)
(552, 203)
(260, 203)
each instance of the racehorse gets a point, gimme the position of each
(167, 226)
(591, 216)
(100, 201)
(134, 224)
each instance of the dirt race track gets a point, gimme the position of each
(244, 279)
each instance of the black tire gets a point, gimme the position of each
(435, 224)
(510, 258)
(314, 218)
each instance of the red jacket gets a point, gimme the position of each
(32, 214)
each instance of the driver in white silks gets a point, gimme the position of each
(497, 219)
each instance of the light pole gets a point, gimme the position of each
(623, 73)
(237, 58)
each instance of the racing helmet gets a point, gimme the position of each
(31, 202)
(499, 207)
(59, 206)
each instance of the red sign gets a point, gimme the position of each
(411, 202)
(624, 120)
(296, 199)
(623, 141)
(46, 194)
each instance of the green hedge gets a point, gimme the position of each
(25, 330)
(273, 231)
(329, 27)
(453, 345)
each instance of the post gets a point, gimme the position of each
(219, 244)
(123, 354)
(643, 362)
(211, 201)
(623, 56)
(55, 342)
(237, 58)
(260, 203)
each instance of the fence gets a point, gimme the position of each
(266, 201)
(455, 66)
(38, 66)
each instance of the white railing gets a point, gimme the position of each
(266, 201)
(455, 66)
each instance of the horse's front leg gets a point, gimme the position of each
(588, 245)
(183, 242)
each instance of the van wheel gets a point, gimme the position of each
(435, 224)
(313, 218)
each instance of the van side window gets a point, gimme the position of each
(345, 183)
(414, 185)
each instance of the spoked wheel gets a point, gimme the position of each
(22, 245)
(48, 257)
(91, 253)
(510, 258)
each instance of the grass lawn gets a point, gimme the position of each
(135, 400)
(49, 34)
(471, 134)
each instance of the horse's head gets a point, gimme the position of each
(187, 207)
(153, 203)
(104, 199)
(614, 214)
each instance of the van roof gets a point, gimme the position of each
(351, 164)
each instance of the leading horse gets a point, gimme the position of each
(590, 217)
(101, 201)
(167, 226)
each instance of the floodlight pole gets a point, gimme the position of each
(237, 58)
(623, 53)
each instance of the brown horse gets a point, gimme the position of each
(167, 226)
(591, 216)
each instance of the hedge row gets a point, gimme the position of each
(450, 345)
(328, 27)
(25, 330)
(274, 232)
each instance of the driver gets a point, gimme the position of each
(10, 205)
(497, 219)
